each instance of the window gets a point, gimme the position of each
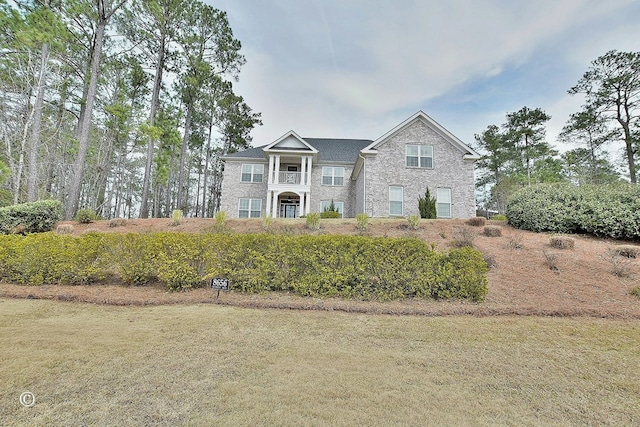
(339, 206)
(420, 156)
(250, 208)
(443, 200)
(252, 172)
(332, 176)
(395, 200)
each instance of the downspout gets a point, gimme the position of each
(364, 183)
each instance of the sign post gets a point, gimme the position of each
(219, 283)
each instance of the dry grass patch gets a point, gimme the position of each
(627, 251)
(213, 365)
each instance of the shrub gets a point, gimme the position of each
(413, 222)
(498, 217)
(65, 229)
(362, 222)
(562, 242)
(221, 222)
(463, 236)
(427, 205)
(620, 265)
(176, 217)
(313, 221)
(476, 221)
(267, 223)
(117, 222)
(602, 210)
(551, 260)
(635, 291)
(627, 251)
(85, 216)
(490, 260)
(330, 214)
(515, 241)
(34, 217)
(492, 231)
(324, 266)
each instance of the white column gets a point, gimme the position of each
(269, 197)
(277, 177)
(308, 200)
(270, 179)
(274, 213)
(302, 200)
(310, 159)
(302, 172)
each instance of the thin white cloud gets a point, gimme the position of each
(355, 68)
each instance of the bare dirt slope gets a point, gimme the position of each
(521, 282)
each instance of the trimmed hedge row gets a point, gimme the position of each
(34, 217)
(323, 266)
(603, 210)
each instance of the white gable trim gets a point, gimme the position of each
(469, 153)
(291, 134)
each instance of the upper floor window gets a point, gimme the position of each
(252, 172)
(420, 156)
(332, 176)
(444, 202)
(396, 197)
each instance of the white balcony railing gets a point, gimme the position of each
(289, 178)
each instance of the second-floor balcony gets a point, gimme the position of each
(289, 178)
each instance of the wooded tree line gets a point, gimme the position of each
(517, 154)
(120, 106)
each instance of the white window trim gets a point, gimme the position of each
(401, 201)
(250, 210)
(420, 155)
(253, 173)
(333, 176)
(339, 204)
(449, 202)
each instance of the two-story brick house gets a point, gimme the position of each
(293, 176)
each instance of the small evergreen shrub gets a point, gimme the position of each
(498, 217)
(427, 205)
(34, 217)
(313, 221)
(176, 217)
(492, 231)
(476, 221)
(413, 222)
(330, 214)
(635, 291)
(562, 242)
(362, 222)
(221, 222)
(85, 216)
(267, 223)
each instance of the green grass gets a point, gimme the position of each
(215, 365)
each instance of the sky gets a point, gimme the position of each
(358, 68)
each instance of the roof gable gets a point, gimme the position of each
(469, 153)
(291, 142)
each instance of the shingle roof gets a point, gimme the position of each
(329, 149)
(338, 150)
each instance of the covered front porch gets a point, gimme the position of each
(288, 204)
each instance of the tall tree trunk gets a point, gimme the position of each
(181, 203)
(84, 128)
(155, 101)
(36, 130)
